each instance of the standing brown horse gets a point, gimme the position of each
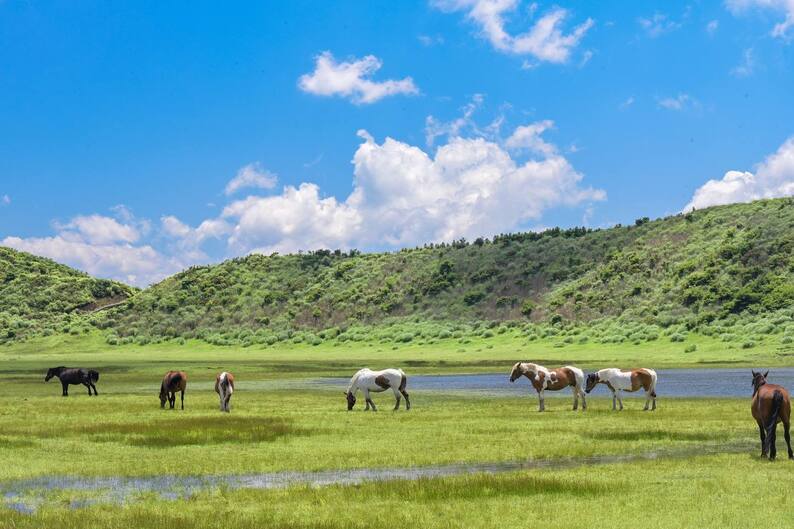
(542, 379)
(771, 405)
(173, 381)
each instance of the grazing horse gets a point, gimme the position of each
(551, 379)
(617, 380)
(224, 387)
(771, 405)
(368, 380)
(71, 375)
(173, 381)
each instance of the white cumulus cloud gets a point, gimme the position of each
(746, 67)
(774, 177)
(98, 229)
(403, 196)
(544, 40)
(352, 79)
(657, 24)
(529, 137)
(679, 102)
(103, 247)
(297, 219)
(251, 175)
(784, 7)
(138, 265)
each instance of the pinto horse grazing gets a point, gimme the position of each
(617, 380)
(70, 375)
(224, 387)
(551, 379)
(173, 381)
(368, 380)
(771, 405)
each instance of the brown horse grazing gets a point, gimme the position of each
(771, 405)
(551, 379)
(173, 381)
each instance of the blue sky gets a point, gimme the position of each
(140, 138)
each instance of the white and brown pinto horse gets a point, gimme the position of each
(368, 381)
(543, 379)
(618, 380)
(224, 387)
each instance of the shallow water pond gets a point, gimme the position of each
(718, 382)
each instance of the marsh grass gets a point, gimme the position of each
(190, 431)
(123, 432)
(714, 492)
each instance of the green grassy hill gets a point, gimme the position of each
(680, 272)
(41, 297)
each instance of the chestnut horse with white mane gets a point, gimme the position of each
(543, 379)
(368, 380)
(617, 380)
(771, 405)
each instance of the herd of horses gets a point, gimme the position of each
(771, 403)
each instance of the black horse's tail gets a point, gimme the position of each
(93, 375)
(777, 403)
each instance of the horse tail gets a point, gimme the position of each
(403, 380)
(93, 375)
(777, 403)
(652, 389)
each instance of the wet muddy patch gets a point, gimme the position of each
(27, 496)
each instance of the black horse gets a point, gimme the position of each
(72, 375)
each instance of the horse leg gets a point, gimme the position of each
(181, 397)
(772, 439)
(369, 400)
(787, 436)
(542, 401)
(575, 399)
(407, 400)
(396, 396)
(647, 400)
(65, 389)
(584, 399)
(614, 400)
(86, 384)
(228, 400)
(95, 391)
(620, 401)
(763, 438)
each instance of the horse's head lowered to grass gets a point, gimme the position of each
(351, 400)
(53, 372)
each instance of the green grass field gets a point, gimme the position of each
(708, 472)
